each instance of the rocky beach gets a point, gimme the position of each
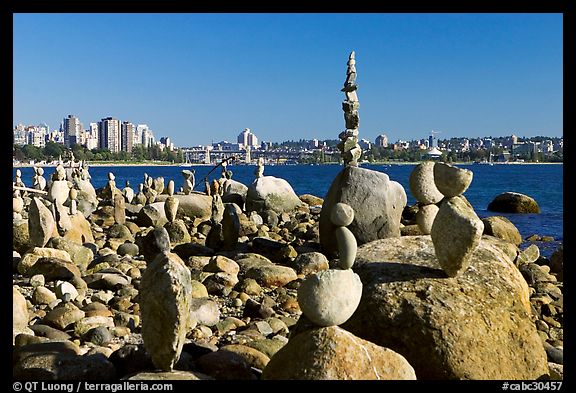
(254, 282)
(77, 293)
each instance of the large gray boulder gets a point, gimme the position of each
(514, 202)
(271, 193)
(194, 205)
(474, 326)
(377, 202)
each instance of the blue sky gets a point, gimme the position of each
(201, 78)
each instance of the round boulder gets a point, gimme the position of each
(477, 325)
(514, 202)
(502, 228)
(330, 297)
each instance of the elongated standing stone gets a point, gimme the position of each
(456, 232)
(165, 291)
(171, 203)
(41, 223)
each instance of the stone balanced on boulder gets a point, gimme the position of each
(454, 227)
(327, 299)
(348, 145)
(330, 297)
(376, 201)
(270, 193)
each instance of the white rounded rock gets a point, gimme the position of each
(342, 214)
(330, 297)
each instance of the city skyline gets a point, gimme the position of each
(280, 75)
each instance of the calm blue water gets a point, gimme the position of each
(542, 182)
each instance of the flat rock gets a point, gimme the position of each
(175, 375)
(194, 205)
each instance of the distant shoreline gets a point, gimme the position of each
(115, 164)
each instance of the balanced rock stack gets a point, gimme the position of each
(454, 227)
(176, 228)
(327, 299)
(330, 297)
(348, 145)
(270, 193)
(376, 200)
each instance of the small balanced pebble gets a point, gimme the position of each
(342, 215)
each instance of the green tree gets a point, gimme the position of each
(32, 152)
(53, 150)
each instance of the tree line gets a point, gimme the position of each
(53, 151)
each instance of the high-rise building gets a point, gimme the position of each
(109, 134)
(19, 135)
(72, 129)
(167, 142)
(381, 141)
(432, 140)
(91, 137)
(127, 136)
(247, 138)
(144, 135)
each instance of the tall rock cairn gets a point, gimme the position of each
(348, 145)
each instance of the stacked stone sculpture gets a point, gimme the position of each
(175, 227)
(17, 206)
(140, 198)
(427, 195)
(58, 195)
(72, 197)
(128, 192)
(149, 190)
(38, 181)
(330, 297)
(18, 181)
(349, 147)
(259, 171)
(188, 181)
(446, 214)
(376, 200)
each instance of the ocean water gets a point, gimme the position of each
(543, 182)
